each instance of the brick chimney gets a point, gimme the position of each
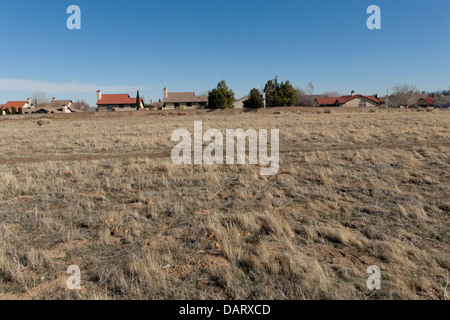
(166, 95)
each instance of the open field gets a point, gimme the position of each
(353, 190)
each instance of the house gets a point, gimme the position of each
(239, 104)
(426, 102)
(183, 100)
(56, 106)
(116, 102)
(354, 100)
(16, 105)
(157, 105)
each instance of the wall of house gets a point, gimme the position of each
(355, 103)
(182, 106)
(116, 108)
(239, 104)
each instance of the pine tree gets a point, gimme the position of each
(280, 94)
(221, 97)
(138, 101)
(255, 100)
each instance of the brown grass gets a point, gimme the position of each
(354, 190)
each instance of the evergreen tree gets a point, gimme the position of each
(221, 97)
(280, 94)
(138, 101)
(254, 100)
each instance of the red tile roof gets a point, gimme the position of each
(327, 101)
(14, 104)
(429, 100)
(113, 99)
(344, 99)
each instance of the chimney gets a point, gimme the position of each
(353, 93)
(53, 99)
(29, 102)
(165, 93)
(99, 95)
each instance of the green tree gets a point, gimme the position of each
(138, 101)
(221, 97)
(254, 100)
(13, 110)
(20, 111)
(280, 94)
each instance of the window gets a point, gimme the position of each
(362, 104)
(189, 104)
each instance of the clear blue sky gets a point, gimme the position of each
(191, 45)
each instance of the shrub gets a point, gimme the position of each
(44, 121)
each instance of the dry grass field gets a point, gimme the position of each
(353, 190)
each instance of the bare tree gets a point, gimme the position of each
(305, 98)
(81, 105)
(404, 95)
(331, 94)
(442, 101)
(40, 99)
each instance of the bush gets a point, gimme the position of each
(44, 122)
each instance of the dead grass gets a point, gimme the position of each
(353, 190)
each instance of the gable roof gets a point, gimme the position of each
(113, 99)
(182, 97)
(14, 104)
(344, 99)
(429, 100)
(327, 101)
(57, 109)
(59, 103)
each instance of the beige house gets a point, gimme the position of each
(57, 106)
(183, 100)
(352, 101)
(239, 104)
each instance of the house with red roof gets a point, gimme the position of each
(426, 102)
(10, 106)
(353, 100)
(116, 102)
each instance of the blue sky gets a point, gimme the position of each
(191, 45)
